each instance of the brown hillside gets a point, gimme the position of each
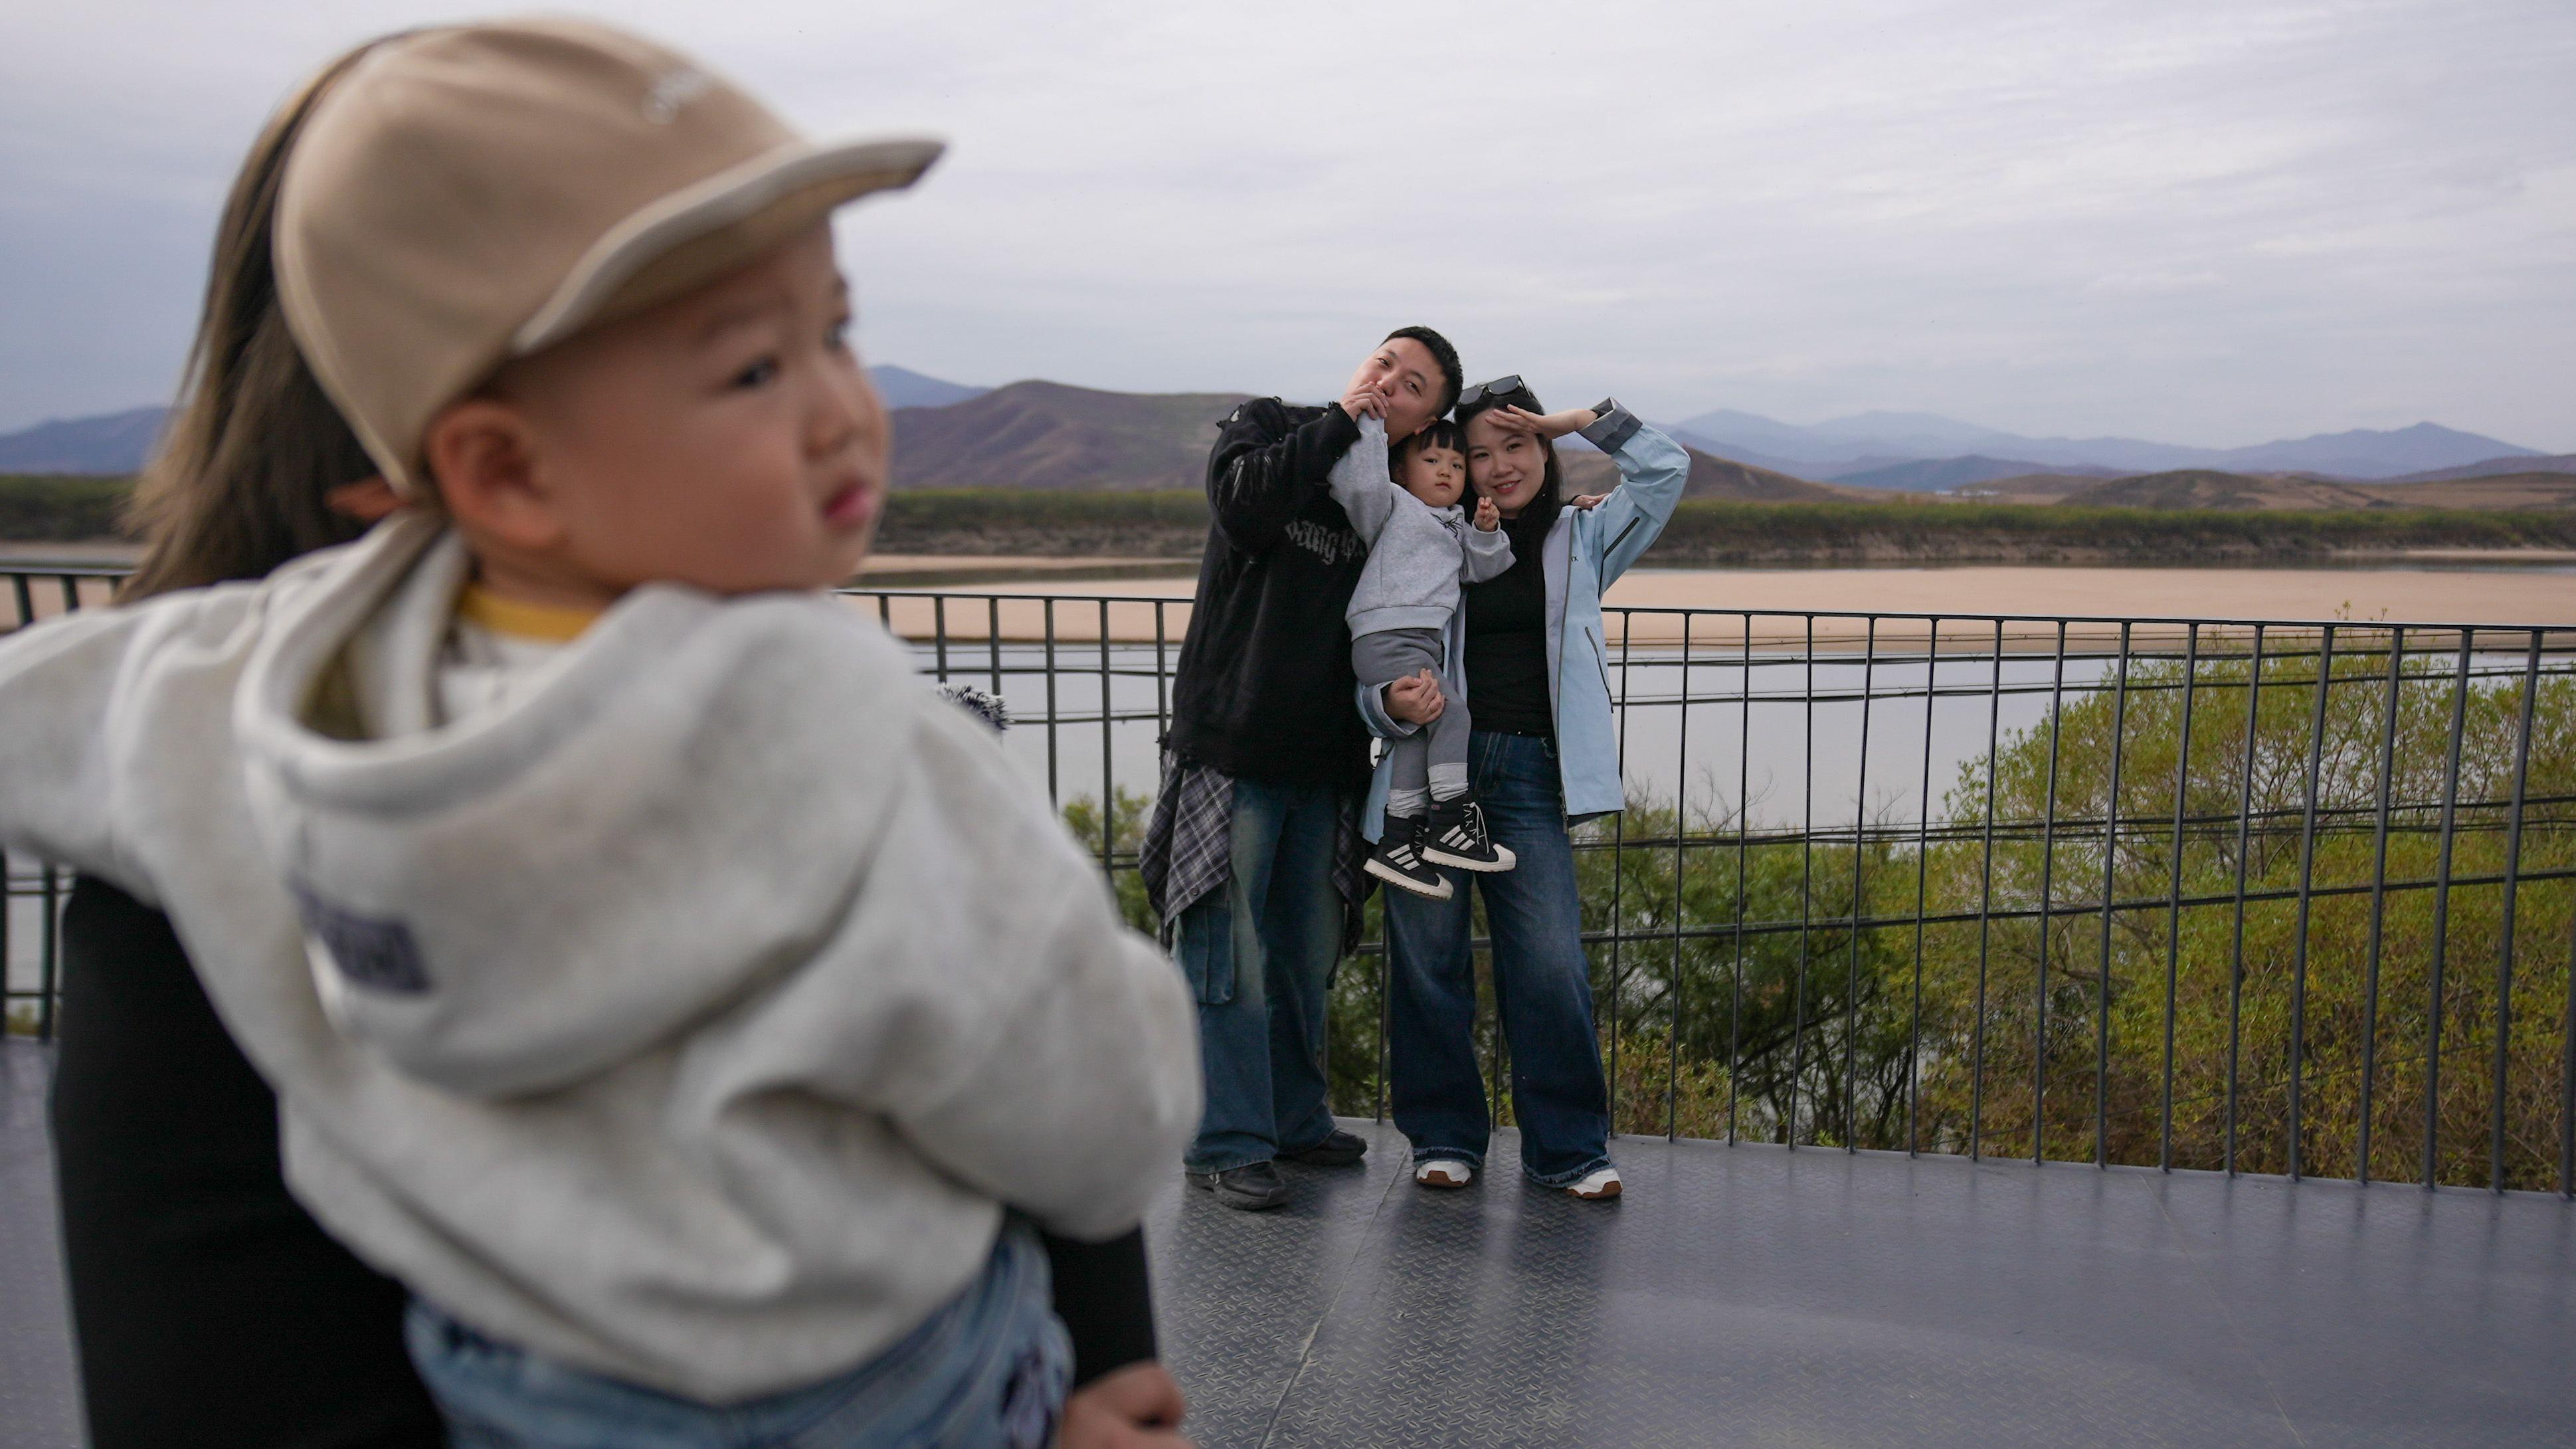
(1715, 477)
(2513, 492)
(1048, 435)
(2494, 468)
(2207, 488)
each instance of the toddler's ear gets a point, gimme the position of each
(483, 453)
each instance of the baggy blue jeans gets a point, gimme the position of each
(987, 1370)
(1542, 984)
(1257, 955)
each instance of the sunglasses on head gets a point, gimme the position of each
(1483, 392)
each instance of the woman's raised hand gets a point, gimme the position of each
(1543, 425)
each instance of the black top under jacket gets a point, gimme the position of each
(1507, 637)
(209, 1308)
(1264, 688)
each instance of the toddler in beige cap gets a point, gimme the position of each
(612, 908)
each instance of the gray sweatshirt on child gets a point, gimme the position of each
(692, 1017)
(1418, 554)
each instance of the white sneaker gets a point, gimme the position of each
(1600, 1186)
(1443, 1172)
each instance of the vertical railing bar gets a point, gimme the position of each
(1860, 818)
(2307, 881)
(1162, 672)
(1922, 889)
(885, 612)
(993, 639)
(2504, 930)
(2110, 871)
(2173, 900)
(70, 585)
(939, 634)
(26, 599)
(1743, 843)
(2378, 902)
(1681, 827)
(2047, 902)
(2442, 917)
(1055, 793)
(1985, 909)
(1108, 769)
(1806, 885)
(2244, 851)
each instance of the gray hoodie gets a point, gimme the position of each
(1418, 554)
(691, 1018)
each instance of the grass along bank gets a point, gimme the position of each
(1173, 525)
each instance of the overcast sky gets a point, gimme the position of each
(2201, 223)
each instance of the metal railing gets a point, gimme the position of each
(2246, 895)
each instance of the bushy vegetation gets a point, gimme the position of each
(1004, 521)
(60, 507)
(1993, 1034)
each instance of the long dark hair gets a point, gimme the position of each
(238, 482)
(1540, 514)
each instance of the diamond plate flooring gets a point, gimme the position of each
(1757, 1296)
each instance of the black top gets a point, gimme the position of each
(209, 1307)
(1263, 688)
(1507, 638)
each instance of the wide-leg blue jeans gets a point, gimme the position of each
(1542, 984)
(1257, 955)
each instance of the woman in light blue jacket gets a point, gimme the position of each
(1544, 758)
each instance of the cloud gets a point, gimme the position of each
(2214, 223)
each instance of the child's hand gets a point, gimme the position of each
(1136, 1407)
(1487, 520)
(1587, 501)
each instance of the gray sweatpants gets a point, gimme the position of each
(1432, 761)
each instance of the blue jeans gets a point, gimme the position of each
(988, 1370)
(1542, 984)
(1257, 955)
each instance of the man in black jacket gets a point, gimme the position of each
(1253, 852)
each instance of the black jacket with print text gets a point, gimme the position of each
(1264, 684)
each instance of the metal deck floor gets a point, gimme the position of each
(1757, 1296)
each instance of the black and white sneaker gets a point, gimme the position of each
(1457, 837)
(1398, 861)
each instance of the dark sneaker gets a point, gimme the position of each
(1457, 837)
(1252, 1187)
(1339, 1150)
(1398, 861)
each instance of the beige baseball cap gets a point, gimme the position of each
(464, 196)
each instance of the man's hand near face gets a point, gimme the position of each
(1416, 698)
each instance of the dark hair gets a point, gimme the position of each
(1441, 352)
(1551, 491)
(1437, 433)
(237, 484)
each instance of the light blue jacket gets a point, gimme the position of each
(1584, 553)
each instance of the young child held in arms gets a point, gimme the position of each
(692, 1009)
(1421, 547)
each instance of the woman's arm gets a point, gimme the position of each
(1653, 470)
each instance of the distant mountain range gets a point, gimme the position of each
(1870, 448)
(107, 443)
(119, 442)
(1049, 435)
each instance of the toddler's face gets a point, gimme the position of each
(728, 439)
(1435, 474)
